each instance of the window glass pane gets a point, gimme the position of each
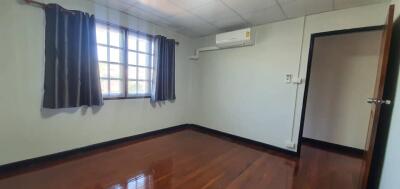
(103, 68)
(112, 46)
(115, 38)
(104, 87)
(116, 88)
(132, 87)
(115, 55)
(143, 73)
(151, 63)
(132, 43)
(132, 72)
(116, 71)
(151, 74)
(102, 53)
(144, 45)
(101, 34)
(144, 59)
(143, 87)
(132, 58)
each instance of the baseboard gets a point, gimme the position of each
(332, 146)
(31, 163)
(242, 140)
(65, 154)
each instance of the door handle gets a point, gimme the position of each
(378, 101)
(372, 100)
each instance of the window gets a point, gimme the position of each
(125, 62)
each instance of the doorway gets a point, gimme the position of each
(342, 77)
(376, 102)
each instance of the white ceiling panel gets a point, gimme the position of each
(230, 22)
(163, 8)
(148, 16)
(293, 9)
(211, 11)
(191, 22)
(190, 33)
(197, 18)
(296, 8)
(271, 14)
(342, 4)
(246, 6)
(191, 4)
(197, 30)
(318, 6)
(100, 1)
(186, 19)
(117, 4)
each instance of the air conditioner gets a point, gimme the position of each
(236, 38)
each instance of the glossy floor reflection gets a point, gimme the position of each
(191, 160)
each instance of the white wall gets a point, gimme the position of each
(343, 75)
(26, 132)
(390, 173)
(242, 91)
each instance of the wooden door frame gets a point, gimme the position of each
(309, 64)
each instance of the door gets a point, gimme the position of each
(376, 101)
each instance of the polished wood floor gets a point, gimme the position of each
(190, 159)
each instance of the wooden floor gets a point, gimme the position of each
(189, 159)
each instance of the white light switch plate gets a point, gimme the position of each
(288, 78)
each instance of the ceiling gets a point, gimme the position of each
(196, 18)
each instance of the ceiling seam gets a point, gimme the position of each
(333, 4)
(139, 18)
(127, 12)
(197, 16)
(280, 7)
(245, 20)
(144, 10)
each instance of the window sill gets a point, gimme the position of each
(123, 98)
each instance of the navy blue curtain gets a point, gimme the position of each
(163, 87)
(71, 68)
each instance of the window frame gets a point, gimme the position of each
(125, 64)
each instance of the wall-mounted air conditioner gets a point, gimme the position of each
(238, 38)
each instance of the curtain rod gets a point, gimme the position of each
(43, 5)
(36, 3)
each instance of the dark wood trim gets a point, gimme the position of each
(376, 111)
(242, 140)
(309, 63)
(48, 160)
(334, 147)
(347, 31)
(303, 110)
(32, 163)
(126, 63)
(385, 118)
